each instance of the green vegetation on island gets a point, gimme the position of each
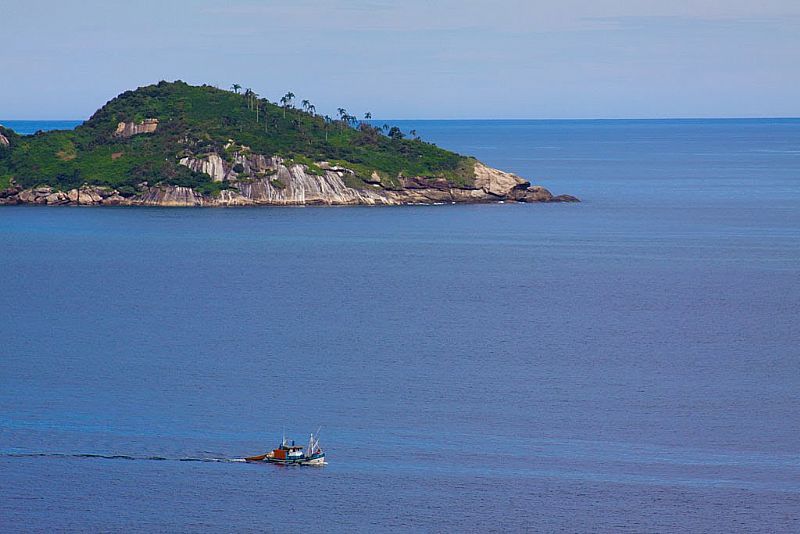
(197, 120)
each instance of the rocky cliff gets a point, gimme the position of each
(253, 179)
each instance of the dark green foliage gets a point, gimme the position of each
(395, 133)
(126, 191)
(5, 152)
(202, 119)
(354, 181)
(11, 135)
(212, 188)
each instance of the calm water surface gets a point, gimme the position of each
(629, 363)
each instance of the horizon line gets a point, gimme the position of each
(775, 117)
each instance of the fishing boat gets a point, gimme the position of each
(287, 453)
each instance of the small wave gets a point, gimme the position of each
(106, 456)
(209, 459)
(113, 457)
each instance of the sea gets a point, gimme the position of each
(630, 363)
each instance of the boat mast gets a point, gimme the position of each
(313, 443)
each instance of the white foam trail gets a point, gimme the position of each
(113, 457)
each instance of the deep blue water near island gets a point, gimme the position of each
(627, 363)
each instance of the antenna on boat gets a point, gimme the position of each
(313, 442)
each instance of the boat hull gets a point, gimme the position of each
(313, 460)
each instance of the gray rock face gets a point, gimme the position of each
(85, 196)
(9, 192)
(495, 182)
(169, 196)
(4, 140)
(564, 198)
(27, 197)
(537, 193)
(128, 129)
(88, 197)
(264, 180)
(212, 165)
(271, 180)
(114, 200)
(59, 197)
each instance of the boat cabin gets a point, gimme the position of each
(288, 452)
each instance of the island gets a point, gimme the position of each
(175, 144)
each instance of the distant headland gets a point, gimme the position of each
(174, 144)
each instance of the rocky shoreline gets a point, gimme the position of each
(257, 180)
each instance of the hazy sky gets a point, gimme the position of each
(413, 58)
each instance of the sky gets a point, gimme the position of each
(413, 58)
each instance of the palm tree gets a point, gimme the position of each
(413, 133)
(305, 104)
(312, 109)
(342, 115)
(286, 100)
(395, 133)
(236, 88)
(328, 120)
(367, 115)
(284, 103)
(385, 127)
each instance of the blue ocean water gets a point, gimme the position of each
(31, 126)
(629, 363)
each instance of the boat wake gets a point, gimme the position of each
(115, 457)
